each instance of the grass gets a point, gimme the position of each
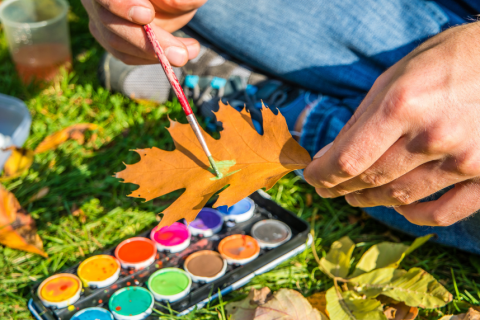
(80, 176)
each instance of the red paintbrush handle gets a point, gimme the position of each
(168, 71)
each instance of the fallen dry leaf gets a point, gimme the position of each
(247, 160)
(353, 219)
(288, 304)
(308, 199)
(472, 314)
(76, 132)
(245, 309)
(19, 161)
(39, 195)
(78, 212)
(17, 228)
(319, 301)
(285, 304)
(400, 311)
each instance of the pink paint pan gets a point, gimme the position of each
(174, 238)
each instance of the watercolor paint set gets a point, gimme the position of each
(176, 268)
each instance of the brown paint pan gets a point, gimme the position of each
(205, 266)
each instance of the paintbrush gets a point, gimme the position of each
(177, 88)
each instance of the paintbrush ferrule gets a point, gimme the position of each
(196, 129)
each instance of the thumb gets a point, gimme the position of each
(137, 11)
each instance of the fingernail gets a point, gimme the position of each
(193, 50)
(352, 200)
(177, 56)
(141, 15)
(323, 193)
(323, 151)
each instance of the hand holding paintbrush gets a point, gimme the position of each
(172, 78)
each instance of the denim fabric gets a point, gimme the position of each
(336, 48)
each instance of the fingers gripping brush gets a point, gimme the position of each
(172, 78)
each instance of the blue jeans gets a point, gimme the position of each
(336, 48)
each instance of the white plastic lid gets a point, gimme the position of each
(271, 233)
(15, 124)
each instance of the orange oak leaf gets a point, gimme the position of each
(17, 227)
(247, 160)
(75, 132)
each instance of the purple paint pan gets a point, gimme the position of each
(207, 223)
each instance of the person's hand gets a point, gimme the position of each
(117, 26)
(416, 132)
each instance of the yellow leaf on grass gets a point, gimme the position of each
(337, 261)
(75, 132)
(416, 288)
(19, 161)
(17, 227)
(386, 254)
(248, 162)
(351, 306)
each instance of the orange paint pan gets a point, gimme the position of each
(239, 249)
(60, 290)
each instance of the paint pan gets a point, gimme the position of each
(131, 303)
(173, 238)
(271, 233)
(239, 249)
(205, 266)
(136, 253)
(60, 290)
(92, 314)
(207, 223)
(239, 212)
(99, 271)
(169, 284)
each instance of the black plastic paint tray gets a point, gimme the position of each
(201, 293)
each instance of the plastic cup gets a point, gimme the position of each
(38, 38)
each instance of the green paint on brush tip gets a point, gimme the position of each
(169, 283)
(223, 167)
(131, 301)
(214, 167)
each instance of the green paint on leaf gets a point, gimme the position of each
(223, 167)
